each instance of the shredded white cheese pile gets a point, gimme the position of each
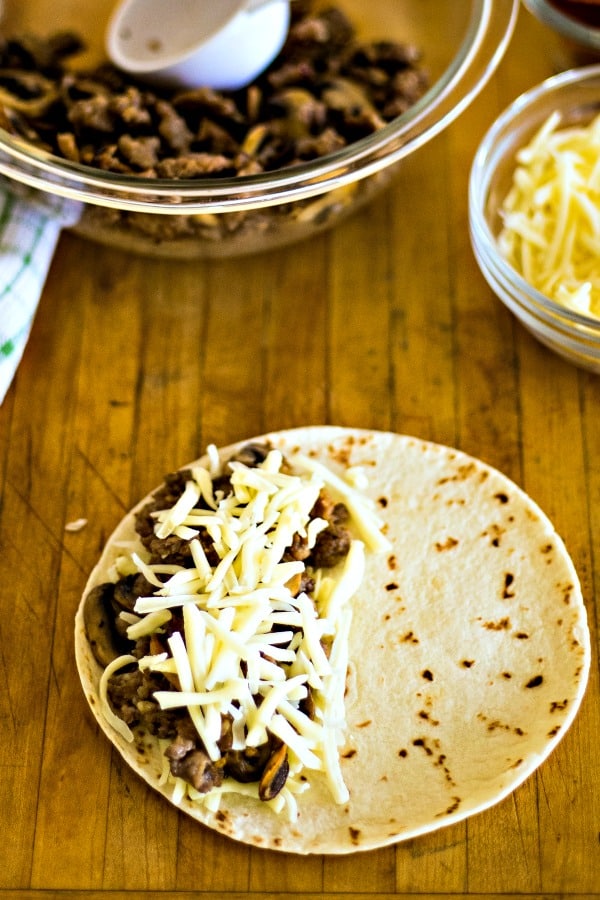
(229, 653)
(551, 215)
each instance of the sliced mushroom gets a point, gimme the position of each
(351, 100)
(194, 766)
(275, 774)
(247, 765)
(302, 113)
(251, 454)
(307, 704)
(26, 92)
(255, 139)
(322, 208)
(294, 584)
(105, 641)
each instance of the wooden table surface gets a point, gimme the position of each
(133, 366)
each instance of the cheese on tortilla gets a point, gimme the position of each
(245, 634)
(551, 215)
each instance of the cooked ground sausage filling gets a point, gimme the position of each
(325, 90)
(323, 544)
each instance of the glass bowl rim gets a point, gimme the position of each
(566, 25)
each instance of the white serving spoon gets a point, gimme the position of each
(223, 44)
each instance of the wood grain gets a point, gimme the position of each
(132, 367)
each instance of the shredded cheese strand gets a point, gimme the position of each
(118, 724)
(551, 215)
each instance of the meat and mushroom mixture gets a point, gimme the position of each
(131, 689)
(325, 90)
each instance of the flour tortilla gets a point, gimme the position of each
(469, 652)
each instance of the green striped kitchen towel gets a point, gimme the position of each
(30, 223)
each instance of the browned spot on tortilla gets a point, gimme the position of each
(554, 731)
(448, 544)
(354, 834)
(501, 497)
(441, 764)
(567, 593)
(558, 705)
(517, 763)
(535, 681)
(454, 806)
(494, 533)
(522, 636)
(497, 725)
(500, 625)
(506, 675)
(341, 454)
(403, 753)
(391, 586)
(392, 562)
(421, 742)
(427, 675)
(364, 724)
(409, 638)
(509, 578)
(467, 663)
(462, 473)
(423, 714)
(383, 502)
(221, 816)
(348, 754)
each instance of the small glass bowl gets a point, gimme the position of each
(576, 31)
(574, 93)
(462, 44)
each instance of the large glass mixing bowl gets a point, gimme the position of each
(461, 43)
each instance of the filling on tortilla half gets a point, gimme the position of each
(231, 625)
(445, 642)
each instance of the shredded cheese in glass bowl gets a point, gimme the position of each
(534, 212)
(551, 215)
